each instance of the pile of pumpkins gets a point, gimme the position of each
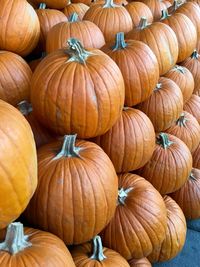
(100, 150)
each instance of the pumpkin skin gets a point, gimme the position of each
(192, 106)
(169, 151)
(138, 10)
(11, 35)
(187, 129)
(144, 74)
(185, 32)
(100, 81)
(57, 4)
(85, 31)
(144, 262)
(89, 185)
(110, 18)
(97, 256)
(140, 223)
(196, 157)
(17, 142)
(33, 248)
(188, 197)
(154, 35)
(175, 234)
(15, 78)
(164, 106)
(78, 8)
(35, 62)
(184, 79)
(135, 134)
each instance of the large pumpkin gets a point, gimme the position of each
(170, 165)
(135, 134)
(18, 169)
(78, 91)
(30, 247)
(78, 8)
(85, 31)
(175, 234)
(192, 106)
(96, 256)
(188, 196)
(144, 74)
(110, 18)
(165, 105)
(155, 35)
(19, 27)
(140, 221)
(77, 190)
(15, 78)
(196, 157)
(184, 79)
(187, 129)
(143, 262)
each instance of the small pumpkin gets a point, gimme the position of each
(183, 78)
(144, 262)
(78, 8)
(170, 165)
(144, 74)
(140, 219)
(96, 256)
(35, 62)
(196, 157)
(30, 247)
(81, 195)
(175, 234)
(192, 106)
(188, 197)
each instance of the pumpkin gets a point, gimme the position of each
(74, 86)
(175, 234)
(35, 62)
(185, 32)
(85, 31)
(144, 74)
(48, 18)
(192, 106)
(187, 129)
(96, 256)
(196, 157)
(138, 10)
(170, 165)
(30, 247)
(188, 197)
(110, 18)
(165, 105)
(57, 4)
(155, 35)
(184, 79)
(18, 169)
(80, 198)
(193, 64)
(41, 135)
(143, 262)
(135, 134)
(140, 219)
(78, 8)
(19, 27)
(15, 78)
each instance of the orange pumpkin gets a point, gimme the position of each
(192, 106)
(144, 262)
(19, 27)
(73, 87)
(57, 4)
(35, 62)
(78, 8)
(18, 164)
(170, 165)
(196, 157)
(144, 74)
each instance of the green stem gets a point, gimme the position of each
(158, 87)
(25, 107)
(68, 148)
(122, 195)
(163, 140)
(109, 4)
(143, 23)
(73, 17)
(182, 120)
(165, 14)
(119, 41)
(195, 54)
(15, 240)
(97, 249)
(179, 68)
(42, 6)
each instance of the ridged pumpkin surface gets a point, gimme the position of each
(57, 4)
(144, 262)
(78, 8)
(192, 106)
(196, 157)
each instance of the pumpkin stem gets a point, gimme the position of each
(42, 6)
(143, 23)
(109, 4)
(182, 120)
(192, 177)
(15, 240)
(163, 140)
(158, 86)
(195, 54)
(73, 17)
(97, 249)
(25, 107)
(122, 195)
(179, 68)
(68, 148)
(76, 51)
(165, 14)
(119, 41)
